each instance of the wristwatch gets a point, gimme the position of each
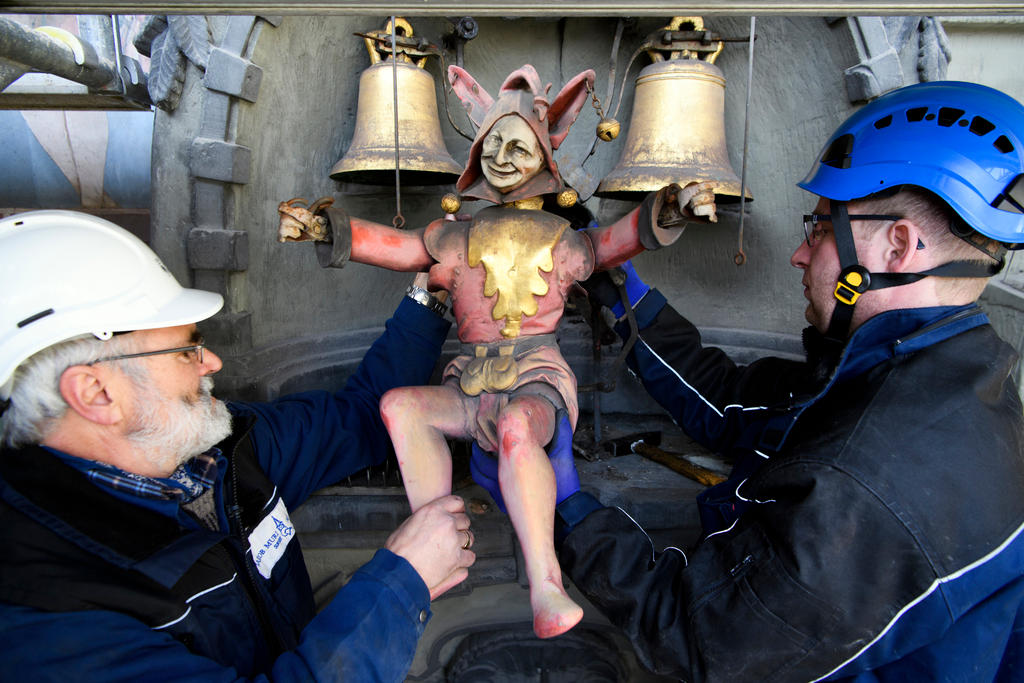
(425, 298)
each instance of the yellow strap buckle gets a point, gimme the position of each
(853, 282)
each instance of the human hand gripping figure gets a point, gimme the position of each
(425, 540)
(508, 270)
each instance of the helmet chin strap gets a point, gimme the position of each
(855, 279)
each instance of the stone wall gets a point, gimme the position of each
(269, 120)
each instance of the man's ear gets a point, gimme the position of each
(901, 245)
(85, 389)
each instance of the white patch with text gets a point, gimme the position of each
(269, 539)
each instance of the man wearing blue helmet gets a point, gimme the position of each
(871, 527)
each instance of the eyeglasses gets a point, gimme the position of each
(194, 352)
(814, 232)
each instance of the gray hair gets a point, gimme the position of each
(36, 403)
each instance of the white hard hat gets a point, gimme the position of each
(64, 274)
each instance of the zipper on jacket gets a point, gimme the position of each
(252, 585)
(741, 568)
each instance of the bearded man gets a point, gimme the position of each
(145, 523)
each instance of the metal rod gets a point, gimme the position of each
(522, 8)
(116, 28)
(95, 30)
(741, 258)
(399, 220)
(610, 92)
(39, 52)
(614, 61)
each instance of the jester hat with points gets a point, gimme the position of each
(521, 95)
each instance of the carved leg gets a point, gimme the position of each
(528, 487)
(418, 419)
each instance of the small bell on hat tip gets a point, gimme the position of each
(567, 198)
(450, 203)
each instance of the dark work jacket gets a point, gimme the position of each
(105, 585)
(64, 555)
(871, 528)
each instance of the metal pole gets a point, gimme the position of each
(95, 30)
(741, 258)
(115, 27)
(399, 220)
(39, 52)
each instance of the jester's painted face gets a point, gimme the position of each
(510, 154)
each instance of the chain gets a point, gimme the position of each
(596, 103)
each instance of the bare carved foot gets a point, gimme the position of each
(554, 612)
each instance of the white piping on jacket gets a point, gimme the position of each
(686, 560)
(689, 386)
(750, 500)
(197, 595)
(213, 588)
(173, 621)
(723, 531)
(931, 589)
(638, 527)
(671, 547)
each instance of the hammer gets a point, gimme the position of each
(638, 443)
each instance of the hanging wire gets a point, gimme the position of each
(613, 60)
(611, 79)
(740, 257)
(612, 63)
(399, 220)
(447, 90)
(625, 74)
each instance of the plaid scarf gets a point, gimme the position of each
(185, 484)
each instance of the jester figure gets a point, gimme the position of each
(508, 270)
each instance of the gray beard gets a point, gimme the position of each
(189, 426)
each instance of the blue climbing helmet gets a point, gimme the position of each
(961, 141)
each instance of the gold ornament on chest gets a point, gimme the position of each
(514, 245)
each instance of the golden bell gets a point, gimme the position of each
(608, 129)
(422, 158)
(677, 133)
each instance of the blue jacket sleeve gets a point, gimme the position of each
(310, 440)
(345, 642)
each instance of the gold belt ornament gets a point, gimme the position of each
(491, 374)
(495, 366)
(514, 246)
